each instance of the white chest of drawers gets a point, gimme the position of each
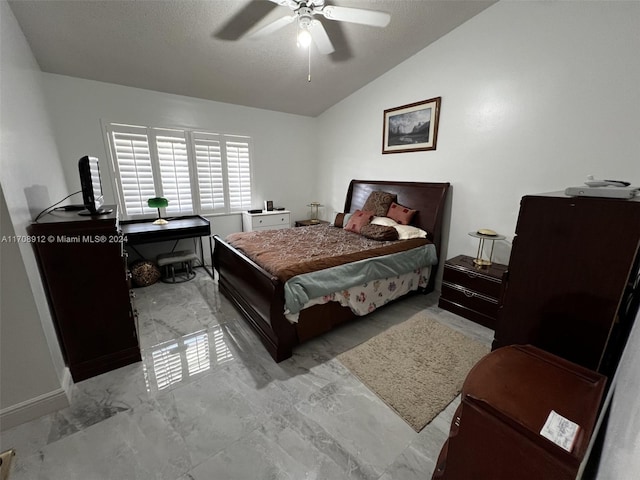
(266, 220)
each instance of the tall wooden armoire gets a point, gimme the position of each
(573, 283)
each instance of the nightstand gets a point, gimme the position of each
(308, 223)
(472, 292)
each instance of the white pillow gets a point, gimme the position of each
(386, 221)
(407, 231)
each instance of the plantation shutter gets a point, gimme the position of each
(209, 172)
(198, 172)
(174, 171)
(133, 163)
(238, 172)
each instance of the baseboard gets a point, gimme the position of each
(36, 407)
(66, 382)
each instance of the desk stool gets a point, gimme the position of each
(182, 258)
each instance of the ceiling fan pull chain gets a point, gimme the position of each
(309, 71)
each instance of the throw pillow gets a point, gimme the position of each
(400, 214)
(339, 220)
(379, 202)
(406, 232)
(386, 221)
(379, 232)
(358, 220)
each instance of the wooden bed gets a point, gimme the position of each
(259, 296)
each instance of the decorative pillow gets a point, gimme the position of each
(379, 202)
(406, 232)
(386, 221)
(400, 214)
(341, 219)
(358, 220)
(379, 232)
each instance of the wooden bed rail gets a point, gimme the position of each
(258, 295)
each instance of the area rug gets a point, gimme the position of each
(417, 367)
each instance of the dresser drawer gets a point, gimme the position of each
(472, 280)
(266, 220)
(270, 221)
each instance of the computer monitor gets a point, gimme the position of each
(91, 183)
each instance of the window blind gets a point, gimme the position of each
(174, 172)
(208, 153)
(133, 164)
(198, 172)
(239, 173)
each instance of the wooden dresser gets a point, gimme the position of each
(573, 284)
(470, 291)
(83, 267)
(506, 400)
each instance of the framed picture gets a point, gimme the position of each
(411, 128)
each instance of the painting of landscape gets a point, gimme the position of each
(408, 128)
(411, 128)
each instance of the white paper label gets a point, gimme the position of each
(559, 430)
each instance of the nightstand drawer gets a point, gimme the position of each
(472, 280)
(470, 299)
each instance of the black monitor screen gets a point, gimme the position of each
(91, 182)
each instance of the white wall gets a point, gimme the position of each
(283, 167)
(535, 97)
(31, 178)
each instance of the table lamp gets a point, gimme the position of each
(158, 202)
(314, 211)
(485, 234)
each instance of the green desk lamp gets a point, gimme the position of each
(158, 202)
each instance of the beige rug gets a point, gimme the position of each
(416, 367)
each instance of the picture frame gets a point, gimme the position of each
(268, 205)
(412, 127)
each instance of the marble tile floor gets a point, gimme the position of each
(208, 403)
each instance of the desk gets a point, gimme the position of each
(138, 232)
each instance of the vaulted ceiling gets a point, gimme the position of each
(200, 48)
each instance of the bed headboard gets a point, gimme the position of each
(427, 198)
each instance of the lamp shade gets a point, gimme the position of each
(157, 202)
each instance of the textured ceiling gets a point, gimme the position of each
(197, 48)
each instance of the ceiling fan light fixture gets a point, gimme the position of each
(304, 35)
(304, 38)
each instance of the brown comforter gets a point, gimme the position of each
(293, 251)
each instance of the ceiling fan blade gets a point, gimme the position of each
(373, 18)
(272, 27)
(320, 38)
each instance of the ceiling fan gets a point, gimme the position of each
(311, 29)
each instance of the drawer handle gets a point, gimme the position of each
(472, 274)
(468, 293)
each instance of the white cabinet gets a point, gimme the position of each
(266, 220)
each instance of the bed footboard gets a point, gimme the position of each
(258, 295)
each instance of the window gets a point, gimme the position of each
(198, 172)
